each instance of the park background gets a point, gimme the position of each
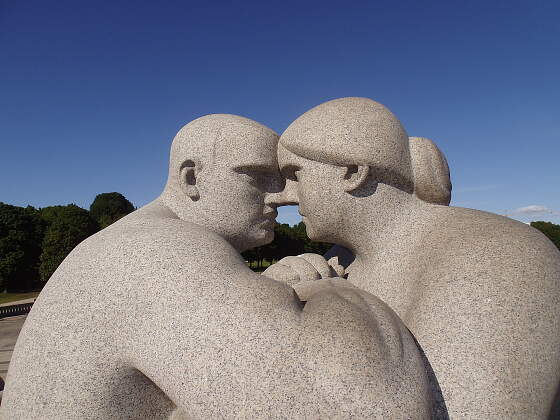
(93, 93)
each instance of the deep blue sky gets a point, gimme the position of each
(92, 93)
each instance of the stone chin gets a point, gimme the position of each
(260, 235)
(311, 232)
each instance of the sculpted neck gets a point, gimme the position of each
(382, 223)
(182, 211)
(386, 238)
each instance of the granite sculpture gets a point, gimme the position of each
(158, 315)
(479, 292)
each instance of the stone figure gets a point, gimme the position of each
(158, 315)
(480, 292)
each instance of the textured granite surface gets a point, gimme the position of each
(431, 172)
(158, 316)
(353, 131)
(480, 292)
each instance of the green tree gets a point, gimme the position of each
(287, 241)
(309, 245)
(274, 250)
(21, 234)
(250, 256)
(67, 227)
(550, 230)
(107, 208)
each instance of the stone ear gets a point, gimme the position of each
(432, 182)
(187, 179)
(355, 177)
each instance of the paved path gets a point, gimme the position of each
(9, 331)
(17, 302)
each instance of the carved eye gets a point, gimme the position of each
(256, 177)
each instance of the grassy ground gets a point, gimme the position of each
(265, 264)
(10, 297)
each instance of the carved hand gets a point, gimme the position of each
(306, 267)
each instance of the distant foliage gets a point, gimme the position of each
(550, 230)
(34, 242)
(287, 241)
(107, 208)
(308, 244)
(21, 234)
(67, 226)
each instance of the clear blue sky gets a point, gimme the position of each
(92, 93)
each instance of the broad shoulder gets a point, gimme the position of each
(166, 263)
(149, 246)
(480, 234)
(488, 250)
(159, 235)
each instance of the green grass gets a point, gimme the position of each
(265, 265)
(10, 297)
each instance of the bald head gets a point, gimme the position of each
(221, 139)
(220, 171)
(353, 131)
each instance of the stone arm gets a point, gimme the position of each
(239, 345)
(403, 389)
(491, 330)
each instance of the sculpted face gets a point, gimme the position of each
(221, 169)
(338, 151)
(233, 188)
(316, 187)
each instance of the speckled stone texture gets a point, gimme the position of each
(158, 315)
(480, 292)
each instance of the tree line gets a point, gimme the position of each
(33, 242)
(550, 230)
(288, 240)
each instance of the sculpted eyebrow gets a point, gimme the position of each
(255, 168)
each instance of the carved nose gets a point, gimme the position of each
(286, 197)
